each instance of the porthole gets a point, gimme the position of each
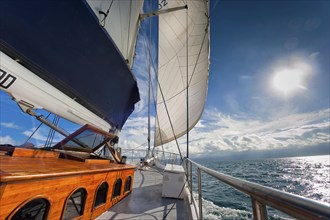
(75, 204)
(128, 184)
(101, 194)
(36, 209)
(117, 189)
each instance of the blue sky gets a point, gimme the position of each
(251, 108)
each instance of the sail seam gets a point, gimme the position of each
(200, 51)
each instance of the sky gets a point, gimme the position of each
(268, 93)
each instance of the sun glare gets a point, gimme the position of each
(288, 80)
(290, 77)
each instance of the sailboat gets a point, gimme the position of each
(74, 59)
(57, 56)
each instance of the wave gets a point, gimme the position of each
(213, 212)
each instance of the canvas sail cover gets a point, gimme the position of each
(63, 43)
(121, 20)
(172, 68)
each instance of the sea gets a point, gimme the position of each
(305, 176)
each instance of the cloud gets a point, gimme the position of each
(10, 125)
(7, 140)
(217, 133)
(243, 134)
(246, 77)
(40, 136)
(135, 133)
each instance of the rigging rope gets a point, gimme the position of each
(105, 14)
(168, 115)
(152, 91)
(51, 133)
(36, 129)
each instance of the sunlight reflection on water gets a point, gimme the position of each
(304, 176)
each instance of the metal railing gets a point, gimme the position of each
(261, 196)
(165, 157)
(134, 155)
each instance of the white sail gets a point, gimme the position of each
(121, 23)
(30, 90)
(171, 120)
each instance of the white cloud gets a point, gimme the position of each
(10, 125)
(218, 132)
(7, 140)
(241, 134)
(40, 136)
(134, 133)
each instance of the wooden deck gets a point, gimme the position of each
(146, 202)
(18, 168)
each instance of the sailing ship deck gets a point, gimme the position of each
(146, 201)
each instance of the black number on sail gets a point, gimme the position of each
(162, 4)
(6, 80)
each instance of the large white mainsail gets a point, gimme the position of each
(121, 20)
(171, 119)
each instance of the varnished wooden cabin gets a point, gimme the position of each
(62, 184)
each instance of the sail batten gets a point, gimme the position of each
(177, 69)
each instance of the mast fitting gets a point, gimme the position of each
(155, 13)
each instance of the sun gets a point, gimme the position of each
(290, 76)
(288, 80)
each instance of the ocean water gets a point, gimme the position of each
(305, 176)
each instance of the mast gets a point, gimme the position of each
(149, 86)
(187, 100)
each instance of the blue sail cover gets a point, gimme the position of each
(62, 42)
